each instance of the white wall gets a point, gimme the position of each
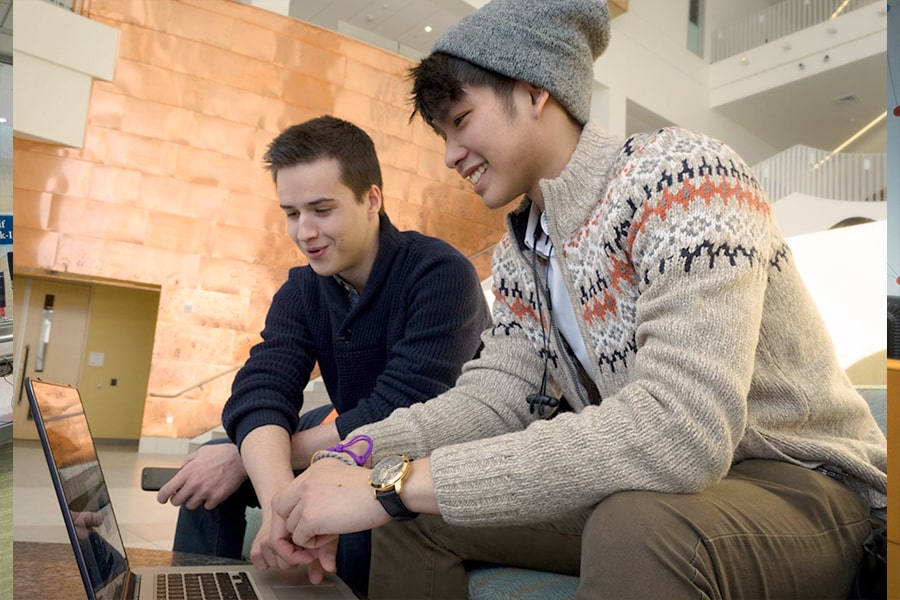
(893, 127)
(648, 63)
(800, 214)
(57, 54)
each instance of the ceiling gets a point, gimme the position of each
(821, 111)
(803, 112)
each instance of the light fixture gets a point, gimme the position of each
(839, 10)
(428, 29)
(853, 138)
(2, 119)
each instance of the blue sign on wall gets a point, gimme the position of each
(6, 229)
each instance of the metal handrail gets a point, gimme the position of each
(196, 385)
(79, 7)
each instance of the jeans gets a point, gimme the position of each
(220, 531)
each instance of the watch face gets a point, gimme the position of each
(388, 471)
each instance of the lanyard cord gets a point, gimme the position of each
(541, 399)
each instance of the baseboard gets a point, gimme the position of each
(149, 444)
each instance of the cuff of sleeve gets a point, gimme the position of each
(347, 422)
(388, 438)
(259, 419)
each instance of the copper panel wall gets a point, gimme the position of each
(169, 189)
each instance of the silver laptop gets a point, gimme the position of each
(95, 536)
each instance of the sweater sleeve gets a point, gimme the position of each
(488, 398)
(444, 312)
(268, 389)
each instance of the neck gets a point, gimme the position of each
(557, 144)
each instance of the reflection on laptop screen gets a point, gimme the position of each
(80, 485)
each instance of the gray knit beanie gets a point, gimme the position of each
(549, 43)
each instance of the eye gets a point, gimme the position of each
(458, 120)
(323, 211)
(291, 214)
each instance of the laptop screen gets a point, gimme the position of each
(80, 487)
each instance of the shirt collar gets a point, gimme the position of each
(352, 294)
(535, 238)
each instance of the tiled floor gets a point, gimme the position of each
(144, 522)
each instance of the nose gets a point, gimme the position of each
(453, 154)
(304, 228)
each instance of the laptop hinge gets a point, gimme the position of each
(132, 586)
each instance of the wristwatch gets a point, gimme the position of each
(386, 480)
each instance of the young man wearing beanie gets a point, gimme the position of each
(390, 318)
(657, 408)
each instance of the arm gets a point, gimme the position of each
(268, 389)
(431, 328)
(266, 456)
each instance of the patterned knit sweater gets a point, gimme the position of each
(704, 344)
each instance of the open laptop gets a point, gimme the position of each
(97, 542)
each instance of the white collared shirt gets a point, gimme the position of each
(562, 312)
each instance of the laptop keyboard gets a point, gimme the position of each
(204, 586)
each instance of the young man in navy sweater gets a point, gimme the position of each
(390, 317)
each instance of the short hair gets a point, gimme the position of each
(438, 80)
(328, 137)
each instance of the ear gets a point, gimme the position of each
(539, 98)
(373, 201)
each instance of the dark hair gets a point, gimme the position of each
(328, 137)
(439, 78)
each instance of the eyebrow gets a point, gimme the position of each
(316, 202)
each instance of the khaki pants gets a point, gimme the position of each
(768, 530)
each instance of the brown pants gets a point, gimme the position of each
(768, 530)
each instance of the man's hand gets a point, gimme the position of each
(208, 476)
(85, 522)
(273, 548)
(328, 498)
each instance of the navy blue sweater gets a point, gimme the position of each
(405, 340)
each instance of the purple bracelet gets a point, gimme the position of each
(360, 460)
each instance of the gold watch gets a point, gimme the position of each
(386, 480)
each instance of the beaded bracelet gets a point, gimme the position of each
(344, 448)
(320, 454)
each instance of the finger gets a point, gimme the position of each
(315, 573)
(169, 489)
(194, 502)
(328, 556)
(292, 523)
(292, 555)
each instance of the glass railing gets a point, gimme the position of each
(806, 170)
(775, 22)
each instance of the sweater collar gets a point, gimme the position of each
(570, 198)
(389, 240)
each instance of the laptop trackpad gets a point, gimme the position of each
(311, 592)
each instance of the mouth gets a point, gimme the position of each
(314, 253)
(475, 175)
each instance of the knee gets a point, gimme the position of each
(627, 519)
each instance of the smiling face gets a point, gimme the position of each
(504, 147)
(489, 142)
(336, 231)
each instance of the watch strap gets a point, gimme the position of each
(394, 506)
